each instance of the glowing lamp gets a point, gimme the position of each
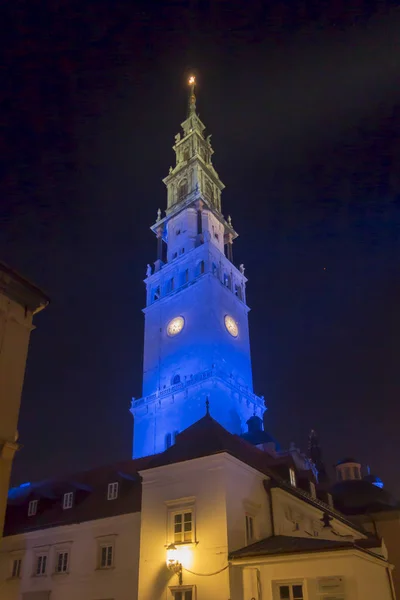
(173, 562)
(192, 80)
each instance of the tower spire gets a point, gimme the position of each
(192, 96)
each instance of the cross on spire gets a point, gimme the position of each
(207, 406)
(192, 96)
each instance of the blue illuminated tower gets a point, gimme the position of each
(196, 341)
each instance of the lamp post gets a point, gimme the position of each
(173, 562)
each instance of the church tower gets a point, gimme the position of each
(196, 341)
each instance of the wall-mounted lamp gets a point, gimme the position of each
(173, 562)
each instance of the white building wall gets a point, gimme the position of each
(364, 577)
(84, 580)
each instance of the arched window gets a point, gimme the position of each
(200, 268)
(227, 280)
(176, 379)
(170, 285)
(238, 292)
(186, 154)
(208, 191)
(168, 441)
(183, 189)
(156, 293)
(214, 269)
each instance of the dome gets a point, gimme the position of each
(358, 496)
(344, 461)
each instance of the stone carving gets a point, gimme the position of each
(208, 140)
(229, 221)
(242, 268)
(177, 138)
(159, 215)
(148, 271)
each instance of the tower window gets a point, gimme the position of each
(170, 285)
(175, 254)
(238, 292)
(183, 189)
(176, 379)
(156, 293)
(186, 154)
(208, 191)
(227, 280)
(201, 268)
(168, 441)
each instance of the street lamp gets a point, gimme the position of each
(173, 562)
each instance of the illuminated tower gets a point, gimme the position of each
(196, 342)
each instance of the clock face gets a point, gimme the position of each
(175, 326)
(231, 326)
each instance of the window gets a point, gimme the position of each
(168, 441)
(16, 568)
(291, 592)
(183, 189)
(170, 285)
(106, 556)
(347, 473)
(68, 500)
(227, 280)
(249, 529)
(156, 293)
(176, 379)
(112, 491)
(177, 232)
(201, 268)
(313, 491)
(40, 565)
(292, 475)
(183, 594)
(182, 251)
(186, 276)
(183, 527)
(175, 254)
(174, 436)
(61, 562)
(32, 508)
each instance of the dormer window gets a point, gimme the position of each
(32, 508)
(292, 476)
(68, 500)
(112, 491)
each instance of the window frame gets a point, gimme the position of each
(175, 590)
(182, 513)
(106, 546)
(64, 567)
(250, 536)
(32, 507)
(180, 506)
(292, 477)
(16, 560)
(68, 500)
(277, 585)
(113, 490)
(41, 572)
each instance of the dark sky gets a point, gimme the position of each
(303, 101)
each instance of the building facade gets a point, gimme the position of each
(19, 302)
(209, 507)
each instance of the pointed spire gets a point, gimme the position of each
(192, 96)
(207, 406)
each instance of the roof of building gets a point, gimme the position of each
(360, 496)
(204, 438)
(90, 498)
(21, 290)
(344, 461)
(282, 544)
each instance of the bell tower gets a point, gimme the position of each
(196, 342)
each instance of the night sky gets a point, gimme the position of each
(303, 102)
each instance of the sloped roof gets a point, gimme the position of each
(360, 496)
(90, 498)
(282, 544)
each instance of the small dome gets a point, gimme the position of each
(344, 461)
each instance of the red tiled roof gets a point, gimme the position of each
(282, 544)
